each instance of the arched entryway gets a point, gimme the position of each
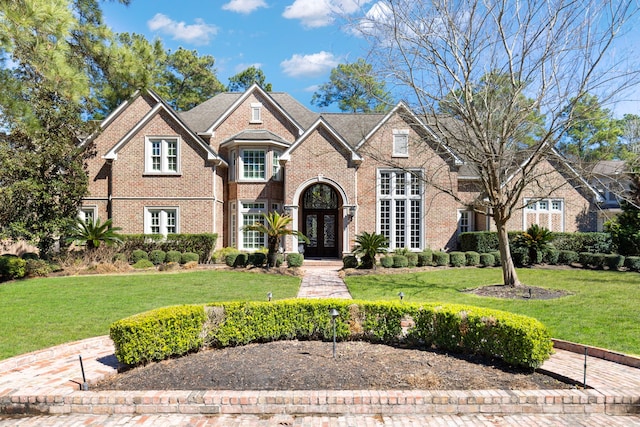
(320, 221)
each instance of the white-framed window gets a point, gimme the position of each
(548, 213)
(233, 225)
(232, 165)
(253, 164)
(250, 213)
(256, 112)
(465, 220)
(400, 208)
(88, 214)
(276, 170)
(161, 220)
(162, 155)
(400, 143)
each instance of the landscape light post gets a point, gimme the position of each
(334, 314)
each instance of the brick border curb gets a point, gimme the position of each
(341, 402)
(600, 353)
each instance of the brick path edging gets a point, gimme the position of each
(600, 353)
(367, 402)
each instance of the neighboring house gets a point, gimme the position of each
(220, 165)
(610, 178)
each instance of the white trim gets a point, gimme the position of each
(544, 206)
(256, 113)
(164, 168)
(242, 211)
(470, 214)
(82, 212)
(397, 133)
(163, 210)
(241, 162)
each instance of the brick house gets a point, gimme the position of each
(220, 165)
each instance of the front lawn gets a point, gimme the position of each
(40, 313)
(603, 310)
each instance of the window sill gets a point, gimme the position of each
(404, 156)
(155, 174)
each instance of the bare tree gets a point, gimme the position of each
(496, 80)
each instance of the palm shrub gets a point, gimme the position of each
(275, 226)
(536, 240)
(92, 234)
(367, 246)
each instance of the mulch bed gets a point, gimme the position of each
(309, 365)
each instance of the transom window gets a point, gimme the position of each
(161, 221)
(162, 155)
(548, 213)
(400, 143)
(400, 208)
(253, 164)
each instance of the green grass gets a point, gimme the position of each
(603, 310)
(40, 313)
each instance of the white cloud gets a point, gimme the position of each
(244, 6)
(198, 33)
(320, 13)
(309, 65)
(243, 66)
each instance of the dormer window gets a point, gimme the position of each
(256, 112)
(400, 143)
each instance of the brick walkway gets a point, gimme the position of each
(321, 280)
(47, 384)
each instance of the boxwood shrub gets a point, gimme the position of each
(349, 261)
(487, 260)
(295, 259)
(189, 257)
(173, 256)
(174, 331)
(400, 261)
(632, 263)
(157, 256)
(457, 259)
(567, 257)
(425, 258)
(614, 261)
(142, 264)
(12, 267)
(551, 256)
(441, 259)
(386, 261)
(138, 254)
(497, 257)
(258, 259)
(241, 260)
(230, 259)
(158, 334)
(472, 258)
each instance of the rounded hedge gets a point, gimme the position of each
(386, 261)
(138, 254)
(457, 259)
(412, 259)
(632, 263)
(441, 259)
(400, 261)
(294, 259)
(349, 261)
(497, 257)
(157, 256)
(487, 260)
(566, 257)
(142, 264)
(189, 257)
(472, 258)
(174, 331)
(258, 259)
(173, 256)
(425, 258)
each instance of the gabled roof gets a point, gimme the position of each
(206, 117)
(321, 122)
(411, 115)
(161, 105)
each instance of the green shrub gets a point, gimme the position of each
(173, 331)
(479, 241)
(386, 261)
(230, 259)
(487, 260)
(632, 263)
(120, 257)
(295, 259)
(201, 244)
(349, 261)
(220, 256)
(12, 267)
(157, 256)
(173, 256)
(241, 260)
(582, 242)
(497, 257)
(614, 261)
(258, 259)
(37, 268)
(138, 254)
(551, 256)
(142, 264)
(472, 258)
(425, 258)
(189, 257)
(400, 261)
(158, 334)
(412, 259)
(30, 255)
(567, 257)
(279, 260)
(599, 260)
(441, 259)
(586, 259)
(457, 259)
(520, 256)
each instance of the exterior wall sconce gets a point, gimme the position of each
(352, 212)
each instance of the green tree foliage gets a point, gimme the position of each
(354, 88)
(93, 234)
(368, 245)
(625, 228)
(592, 133)
(275, 226)
(244, 79)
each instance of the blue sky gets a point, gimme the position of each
(295, 42)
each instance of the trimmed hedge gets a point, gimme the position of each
(138, 254)
(632, 263)
(295, 259)
(386, 261)
(173, 331)
(400, 261)
(157, 256)
(425, 258)
(202, 244)
(487, 260)
(258, 259)
(567, 257)
(614, 261)
(457, 259)
(173, 256)
(441, 259)
(472, 258)
(158, 334)
(189, 257)
(349, 261)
